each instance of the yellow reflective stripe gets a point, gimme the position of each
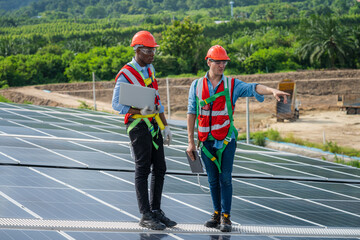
(143, 116)
(213, 159)
(147, 81)
(155, 115)
(205, 101)
(226, 142)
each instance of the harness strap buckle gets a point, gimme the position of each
(147, 81)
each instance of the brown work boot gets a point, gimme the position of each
(225, 223)
(214, 221)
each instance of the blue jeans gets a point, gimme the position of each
(220, 183)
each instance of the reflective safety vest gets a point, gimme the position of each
(215, 116)
(213, 112)
(134, 76)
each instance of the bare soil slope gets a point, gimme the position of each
(317, 91)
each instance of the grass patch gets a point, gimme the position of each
(258, 138)
(353, 163)
(84, 105)
(4, 99)
(273, 135)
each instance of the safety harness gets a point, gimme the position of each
(136, 77)
(217, 159)
(145, 118)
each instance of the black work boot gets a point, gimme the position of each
(214, 221)
(225, 223)
(160, 216)
(148, 221)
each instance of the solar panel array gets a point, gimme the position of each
(68, 174)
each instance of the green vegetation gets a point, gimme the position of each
(5, 100)
(258, 138)
(325, 40)
(53, 41)
(353, 163)
(183, 36)
(244, 9)
(84, 105)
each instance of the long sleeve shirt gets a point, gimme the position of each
(123, 109)
(241, 89)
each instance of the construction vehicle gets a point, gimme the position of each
(350, 103)
(290, 110)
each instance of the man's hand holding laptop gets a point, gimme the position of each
(147, 110)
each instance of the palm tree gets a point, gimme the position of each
(325, 38)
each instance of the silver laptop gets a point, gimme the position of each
(137, 96)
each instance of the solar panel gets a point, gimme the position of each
(65, 173)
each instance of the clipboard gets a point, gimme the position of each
(195, 166)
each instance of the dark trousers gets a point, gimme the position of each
(147, 159)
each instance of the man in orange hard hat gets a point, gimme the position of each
(146, 141)
(212, 102)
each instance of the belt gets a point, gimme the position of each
(130, 120)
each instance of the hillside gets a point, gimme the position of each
(262, 36)
(254, 9)
(14, 4)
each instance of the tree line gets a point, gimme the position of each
(44, 50)
(317, 42)
(220, 9)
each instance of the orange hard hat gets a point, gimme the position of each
(217, 52)
(144, 38)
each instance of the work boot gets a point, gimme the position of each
(214, 221)
(160, 216)
(225, 223)
(148, 221)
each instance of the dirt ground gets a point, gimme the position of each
(320, 118)
(321, 126)
(313, 126)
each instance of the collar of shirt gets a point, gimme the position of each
(140, 68)
(211, 88)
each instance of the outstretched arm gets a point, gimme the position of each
(264, 90)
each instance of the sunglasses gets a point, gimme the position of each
(148, 51)
(218, 62)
